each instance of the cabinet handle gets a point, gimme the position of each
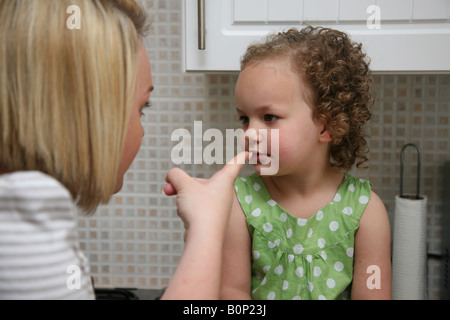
(201, 25)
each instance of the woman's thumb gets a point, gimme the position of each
(176, 180)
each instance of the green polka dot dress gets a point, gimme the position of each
(294, 258)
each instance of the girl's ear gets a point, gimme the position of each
(325, 135)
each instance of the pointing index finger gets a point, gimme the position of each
(234, 166)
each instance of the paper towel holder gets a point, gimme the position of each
(419, 163)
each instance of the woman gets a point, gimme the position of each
(70, 107)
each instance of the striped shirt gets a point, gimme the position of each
(39, 253)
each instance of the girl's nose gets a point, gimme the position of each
(252, 135)
(254, 131)
(256, 138)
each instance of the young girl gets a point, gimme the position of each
(310, 231)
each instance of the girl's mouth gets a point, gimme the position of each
(259, 158)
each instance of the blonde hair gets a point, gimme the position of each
(66, 95)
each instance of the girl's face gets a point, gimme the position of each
(135, 133)
(270, 96)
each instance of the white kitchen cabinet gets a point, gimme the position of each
(410, 35)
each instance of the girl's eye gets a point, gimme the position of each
(244, 119)
(270, 118)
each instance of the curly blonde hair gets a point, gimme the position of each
(337, 73)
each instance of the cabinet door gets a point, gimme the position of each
(398, 36)
(225, 41)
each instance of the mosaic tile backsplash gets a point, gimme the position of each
(136, 241)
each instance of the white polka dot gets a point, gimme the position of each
(310, 232)
(271, 203)
(256, 254)
(264, 281)
(363, 199)
(331, 283)
(274, 244)
(278, 270)
(301, 222)
(243, 179)
(285, 285)
(319, 215)
(271, 296)
(256, 186)
(256, 212)
(248, 199)
(298, 248)
(283, 217)
(289, 233)
(299, 272)
(266, 269)
(334, 225)
(339, 266)
(350, 252)
(310, 286)
(321, 297)
(323, 254)
(267, 227)
(290, 257)
(236, 188)
(347, 210)
(351, 188)
(317, 271)
(321, 242)
(337, 197)
(309, 258)
(296, 298)
(271, 244)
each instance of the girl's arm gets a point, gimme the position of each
(236, 268)
(372, 260)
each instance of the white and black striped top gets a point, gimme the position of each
(39, 253)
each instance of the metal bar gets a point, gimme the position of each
(201, 25)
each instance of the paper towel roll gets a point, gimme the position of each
(409, 256)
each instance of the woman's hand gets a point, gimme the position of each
(205, 207)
